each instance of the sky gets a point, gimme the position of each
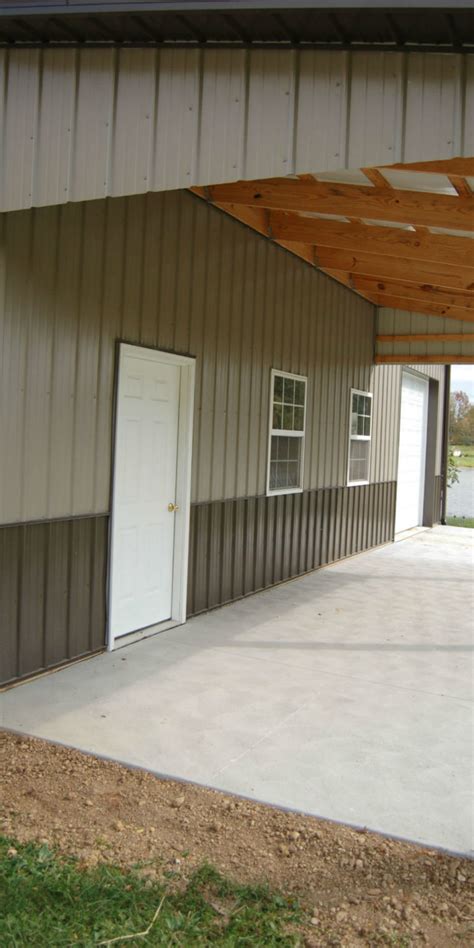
(462, 379)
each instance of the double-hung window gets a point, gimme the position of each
(287, 427)
(359, 437)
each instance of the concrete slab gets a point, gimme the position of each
(346, 693)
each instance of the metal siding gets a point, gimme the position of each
(52, 593)
(84, 124)
(171, 272)
(227, 562)
(395, 321)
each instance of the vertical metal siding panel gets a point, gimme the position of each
(434, 118)
(110, 322)
(32, 596)
(57, 592)
(88, 342)
(197, 306)
(201, 599)
(261, 551)
(10, 560)
(55, 127)
(133, 260)
(38, 370)
(235, 330)
(20, 128)
(375, 109)
(208, 376)
(177, 120)
(270, 114)
(99, 557)
(134, 114)
(227, 562)
(215, 554)
(220, 329)
(80, 582)
(190, 603)
(13, 301)
(238, 540)
(222, 125)
(257, 436)
(65, 306)
(93, 130)
(322, 110)
(249, 545)
(467, 140)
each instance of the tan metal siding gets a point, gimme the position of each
(170, 272)
(83, 124)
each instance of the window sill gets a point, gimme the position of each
(284, 490)
(357, 483)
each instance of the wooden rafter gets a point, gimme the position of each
(349, 200)
(459, 166)
(378, 286)
(396, 269)
(434, 248)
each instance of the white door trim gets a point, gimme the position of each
(183, 488)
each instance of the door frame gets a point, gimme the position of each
(187, 364)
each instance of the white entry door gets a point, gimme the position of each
(412, 452)
(145, 490)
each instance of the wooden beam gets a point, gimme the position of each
(460, 185)
(461, 166)
(349, 200)
(409, 359)
(428, 337)
(376, 177)
(427, 309)
(435, 248)
(425, 293)
(399, 269)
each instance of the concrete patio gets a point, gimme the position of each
(346, 694)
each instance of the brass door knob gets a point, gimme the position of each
(173, 507)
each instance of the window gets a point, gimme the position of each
(359, 439)
(287, 423)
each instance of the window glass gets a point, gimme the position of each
(359, 438)
(288, 397)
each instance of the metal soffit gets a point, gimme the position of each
(399, 26)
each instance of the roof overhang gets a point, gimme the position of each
(400, 236)
(326, 24)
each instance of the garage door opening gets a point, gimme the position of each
(412, 452)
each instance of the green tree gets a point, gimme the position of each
(461, 419)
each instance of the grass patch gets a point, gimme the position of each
(467, 455)
(460, 522)
(49, 901)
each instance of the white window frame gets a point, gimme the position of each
(280, 432)
(358, 391)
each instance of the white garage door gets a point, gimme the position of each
(412, 456)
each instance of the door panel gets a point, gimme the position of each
(412, 452)
(143, 531)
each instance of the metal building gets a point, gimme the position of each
(236, 261)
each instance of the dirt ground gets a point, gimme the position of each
(359, 888)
